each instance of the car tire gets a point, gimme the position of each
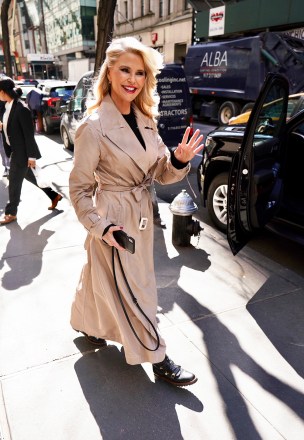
(247, 107)
(228, 110)
(48, 129)
(217, 201)
(66, 139)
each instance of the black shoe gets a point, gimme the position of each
(159, 222)
(96, 341)
(172, 373)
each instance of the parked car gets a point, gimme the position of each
(74, 110)
(174, 108)
(251, 177)
(295, 104)
(55, 95)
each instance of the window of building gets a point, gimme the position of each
(87, 19)
(126, 10)
(169, 7)
(142, 8)
(180, 50)
(187, 5)
(161, 5)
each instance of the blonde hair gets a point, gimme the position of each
(147, 100)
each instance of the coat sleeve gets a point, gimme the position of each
(82, 180)
(165, 172)
(26, 123)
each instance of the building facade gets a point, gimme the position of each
(46, 34)
(165, 25)
(50, 35)
(234, 18)
(47, 37)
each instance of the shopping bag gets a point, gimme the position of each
(41, 177)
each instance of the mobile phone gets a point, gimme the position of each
(125, 241)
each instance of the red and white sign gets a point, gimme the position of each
(217, 21)
(154, 37)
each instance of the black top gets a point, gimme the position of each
(131, 120)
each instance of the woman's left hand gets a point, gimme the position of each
(187, 150)
(31, 163)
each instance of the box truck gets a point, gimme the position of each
(225, 77)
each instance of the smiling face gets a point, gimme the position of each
(127, 77)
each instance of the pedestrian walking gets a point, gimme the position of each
(34, 102)
(21, 147)
(118, 146)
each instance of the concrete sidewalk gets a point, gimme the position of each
(237, 322)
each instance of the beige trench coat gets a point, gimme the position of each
(106, 149)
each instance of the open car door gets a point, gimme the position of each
(255, 186)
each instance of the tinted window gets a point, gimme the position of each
(62, 92)
(271, 115)
(78, 97)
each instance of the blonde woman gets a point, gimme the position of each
(118, 147)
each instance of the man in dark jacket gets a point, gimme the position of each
(34, 100)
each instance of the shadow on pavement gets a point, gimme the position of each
(124, 401)
(281, 319)
(24, 252)
(223, 349)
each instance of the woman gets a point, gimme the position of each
(20, 146)
(118, 146)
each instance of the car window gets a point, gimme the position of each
(270, 117)
(292, 103)
(78, 97)
(62, 92)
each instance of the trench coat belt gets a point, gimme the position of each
(135, 190)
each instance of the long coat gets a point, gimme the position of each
(20, 131)
(107, 151)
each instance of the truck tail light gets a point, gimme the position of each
(191, 125)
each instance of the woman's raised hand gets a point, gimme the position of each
(186, 150)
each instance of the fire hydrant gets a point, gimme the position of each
(184, 226)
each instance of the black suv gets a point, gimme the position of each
(174, 107)
(252, 176)
(55, 94)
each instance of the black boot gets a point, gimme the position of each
(172, 373)
(93, 340)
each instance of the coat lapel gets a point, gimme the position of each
(114, 127)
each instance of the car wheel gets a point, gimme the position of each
(48, 129)
(66, 140)
(217, 201)
(228, 110)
